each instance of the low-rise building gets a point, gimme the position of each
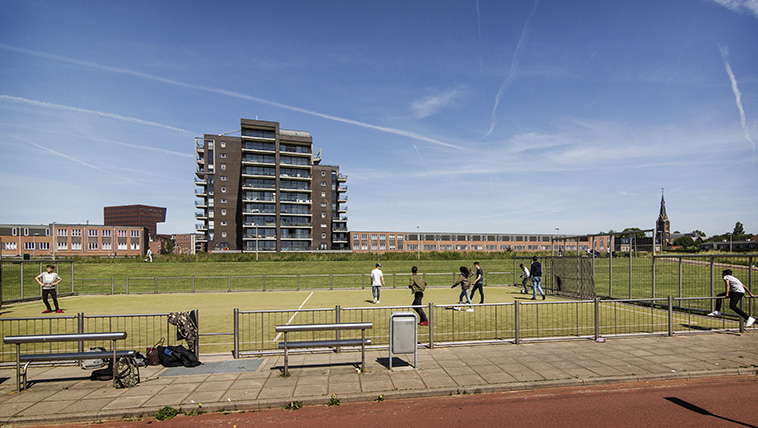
(67, 240)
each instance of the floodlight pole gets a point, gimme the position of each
(418, 247)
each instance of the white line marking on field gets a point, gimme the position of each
(295, 314)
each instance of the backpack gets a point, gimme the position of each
(95, 363)
(127, 373)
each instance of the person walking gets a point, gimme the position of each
(465, 280)
(48, 280)
(377, 281)
(478, 283)
(418, 285)
(735, 289)
(525, 280)
(149, 255)
(536, 276)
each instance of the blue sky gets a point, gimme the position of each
(466, 116)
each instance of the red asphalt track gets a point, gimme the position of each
(705, 402)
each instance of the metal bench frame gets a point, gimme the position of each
(362, 342)
(64, 356)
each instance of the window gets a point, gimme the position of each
(122, 234)
(26, 231)
(223, 144)
(222, 156)
(10, 245)
(93, 245)
(28, 245)
(47, 232)
(14, 231)
(223, 200)
(43, 245)
(223, 211)
(323, 173)
(122, 246)
(106, 233)
(62, 232)
(323, 215)
(62, 246)
(223, 189)
(76, 245)
(223, 234)
(223, 167)
(323, 236)
(323, 204)
(135, 233)
(223, 178)
(92, 233)
(323, 226)
(107, 246)
(223, 223)
(323, 194)
(135, 245)
(323, 183)
(76, 232)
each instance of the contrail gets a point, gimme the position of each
(239, 95)
(479, 30)
(422, 159)
(94, 112)
(514, 63)
(73, 159)
(737, 96)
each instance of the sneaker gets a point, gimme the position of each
(59, 311)
(749, 322)
(424, 323)
(456, 308)
(470, 310)
(46, 311)
(714, 314)
(543, 297)
(377, 301)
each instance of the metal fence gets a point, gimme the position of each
(253, 332)
(18, 278)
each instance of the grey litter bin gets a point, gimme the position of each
(403, 335)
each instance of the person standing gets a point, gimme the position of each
(465, 280)
(735, 289)
(48, 280)
(418, 285)
(525, 280)
(149, 255)
(478, 283)
(536, 279)
(377, 281)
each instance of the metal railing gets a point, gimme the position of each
(253, 332)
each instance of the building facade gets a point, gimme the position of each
(67, 240)
(135, 215)
(266, 190)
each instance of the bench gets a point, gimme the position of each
(333, 343)
(64, 356)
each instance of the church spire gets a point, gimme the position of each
(663, 226)
(662, 214)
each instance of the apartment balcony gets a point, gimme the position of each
(266, 200)
(341, 209)
(298, 176)
(339, 229)
(341, 198)
(201, 193)
(339, 219)
(199, 227)
(341, 178)
(199, 145)
(339, 240)
(342, 188)
(297, 225)
(296, 201)
(201, 238)
(201, 204)
(200, 181)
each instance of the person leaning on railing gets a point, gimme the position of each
(418, 285)
(735, 289)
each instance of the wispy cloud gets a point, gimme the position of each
(511, 73)
(430, 105)
(53, 106)
(75, 160)
(737, 96)
(239, 95)
(741, 6)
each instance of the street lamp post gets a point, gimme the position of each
(558, 234)
(418, 247)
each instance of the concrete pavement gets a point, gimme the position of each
(65, 394)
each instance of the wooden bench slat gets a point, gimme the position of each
(325, 343)
(323, 327)
(73, 337)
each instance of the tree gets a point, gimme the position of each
(169, 248)
(632, 232)
(685, 242)
(699, 233)
(738, 229)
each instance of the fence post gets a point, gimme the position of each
(597, 318)
(21, 280)
(393, 280)
(113, 287)
(127, 285)
(193, 283)
(680, 277)
(80, 329)
(610, 274)
(337, 320)
(264, 282)
(331, 281)
(298, 282)
(630, 269)
(712, 284)
(516, 336)
(671, 316)
(228, 283)
(653, 273)
(236, 352)
(155, 278)
(431, 325)
(72, 274)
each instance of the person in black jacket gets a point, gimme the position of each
(418, 285)
(536, 275)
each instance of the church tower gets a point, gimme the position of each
(662, 225)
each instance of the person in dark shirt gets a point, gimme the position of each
(418, 285)
(536, 275)
(478, 283)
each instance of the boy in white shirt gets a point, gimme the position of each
(735, 289)
(377, 280)
(48, 280)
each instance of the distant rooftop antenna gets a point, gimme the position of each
(230, 132)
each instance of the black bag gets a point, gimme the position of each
(127, 373)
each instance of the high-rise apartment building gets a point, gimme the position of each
(266, 190)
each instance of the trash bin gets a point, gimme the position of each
(26, 256)
(403, 335)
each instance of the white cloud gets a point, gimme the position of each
(741, 6)
(428, 106)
